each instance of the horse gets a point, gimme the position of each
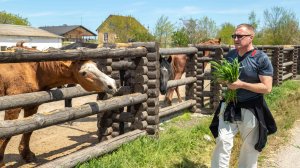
(178, 63)
(18, 78)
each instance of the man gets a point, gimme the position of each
(250, 115)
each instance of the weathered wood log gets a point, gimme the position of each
(153, 102)
(123, 65)
(141, 107)
(140, 88)
(285, 77)
(102, 148)
(153, 93)
(123, 117)
(141, 79)
(140, 125)
(153, 110)
(152, 84)
(184, 81)
(184, 50)
(13, 127)
(36, 98)
(287, 63)
(152, 120)
(141, 115)
(164, 112)
(204, 59)
(23, 56)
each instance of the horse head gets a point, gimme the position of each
(91, 78)
(166, 73)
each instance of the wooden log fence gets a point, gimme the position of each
(14, 127)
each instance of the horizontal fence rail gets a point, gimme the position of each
(184, 81)
(36, 98)
(100, 53)
(170, 51)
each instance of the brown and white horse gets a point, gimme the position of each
(17, 78)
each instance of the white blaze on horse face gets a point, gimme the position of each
(95, 80)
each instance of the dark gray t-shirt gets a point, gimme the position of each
(253, 63)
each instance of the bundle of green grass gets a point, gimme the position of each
(226, 72)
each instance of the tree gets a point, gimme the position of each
(207, 28)
(8, 18)
(191, 29)
(163, 31)
(252, 20)
(281, 26)
(227, 29)
(180, 38)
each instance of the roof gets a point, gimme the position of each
(116, 20)
(21, 30)
(61, 30)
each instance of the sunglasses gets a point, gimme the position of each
(239, 36)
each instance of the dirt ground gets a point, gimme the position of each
(287, 156)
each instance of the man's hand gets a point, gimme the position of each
(235, 85)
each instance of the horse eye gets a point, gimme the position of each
(83, 73)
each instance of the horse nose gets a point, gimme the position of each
(112, 87)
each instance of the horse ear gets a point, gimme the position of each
(67, 63)
(170, 59)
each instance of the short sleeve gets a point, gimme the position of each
(264, 65)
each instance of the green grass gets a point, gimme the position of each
(182, 143)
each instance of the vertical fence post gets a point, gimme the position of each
(295, 60)
(104, 120)
(153, 89)
(216, 87)
(140, 85)
(277, 62)
(190, 89)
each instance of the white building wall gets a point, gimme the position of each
(41, 43)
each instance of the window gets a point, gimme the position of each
(105, 38)
(3, 48)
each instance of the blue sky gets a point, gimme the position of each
(91, 13)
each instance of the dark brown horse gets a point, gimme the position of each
(178, 63)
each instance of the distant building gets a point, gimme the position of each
(74, 33)
(33, 37)
(118, 28)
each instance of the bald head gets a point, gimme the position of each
(247, 27)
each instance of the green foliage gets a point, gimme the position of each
(199, 30)
(281, 26)
(225, 32)
(180, 38)
(163, 31)
(8, 18)
(226, 72)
